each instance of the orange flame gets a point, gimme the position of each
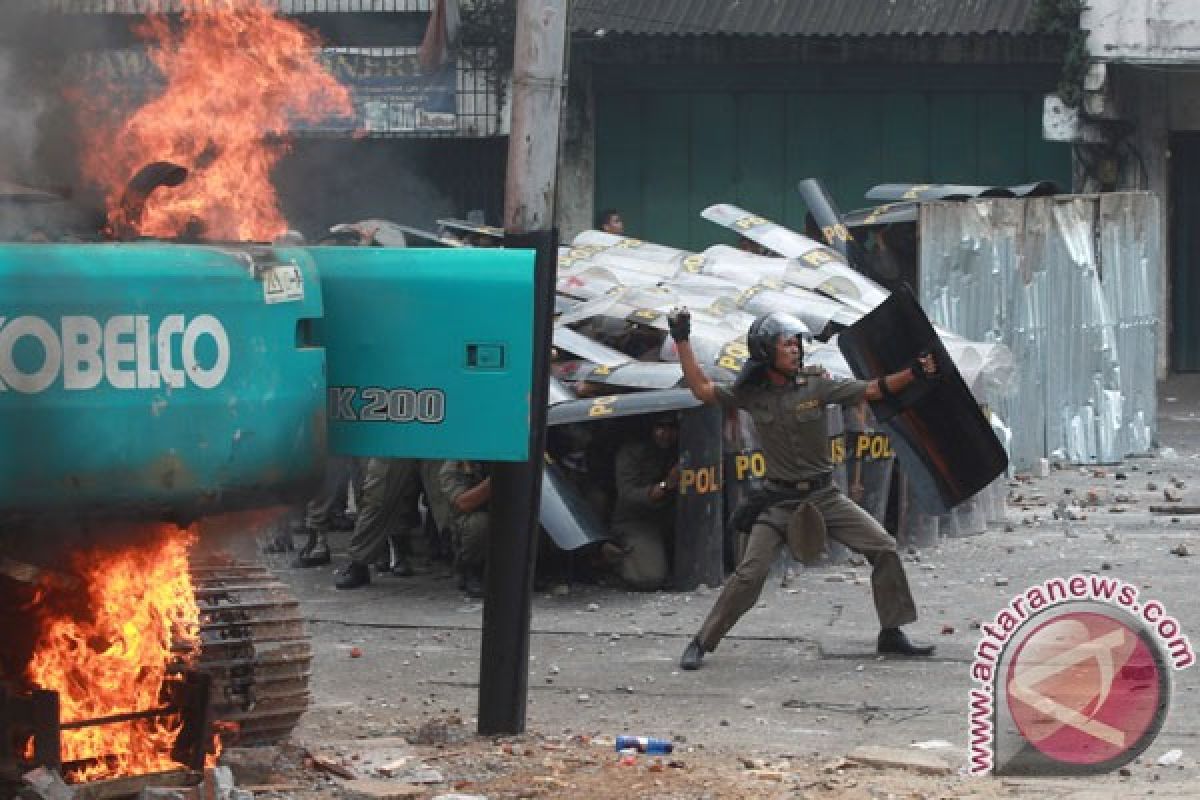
(237, 76)
(142, 612)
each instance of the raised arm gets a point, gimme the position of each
(679, 322)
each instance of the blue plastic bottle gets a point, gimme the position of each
(644, 744)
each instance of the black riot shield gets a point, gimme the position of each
(700, 512)
(941, 438)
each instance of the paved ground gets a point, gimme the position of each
(798, 678)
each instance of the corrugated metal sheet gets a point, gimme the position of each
(802, 17)
(175, 6)
(1071, 285)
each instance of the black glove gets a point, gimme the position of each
(918, 369)
(679, 323)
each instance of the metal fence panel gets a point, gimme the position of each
(1070, 285)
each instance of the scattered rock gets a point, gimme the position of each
(593, 607)
(1121, 476)
(1152, 486)
(1105, 566)
(48, 784)
(1125, 772)
(1181, 550)
(947, 630)
(1001, 582)
(584, 698)
(747, 702)
(376, 789)
(1172, 495)
(433, 731)
(1170, 758)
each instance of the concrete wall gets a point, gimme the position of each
(1162, 31)
(577, 158)
(1156, 101)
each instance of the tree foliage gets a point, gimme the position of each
(1062, 18)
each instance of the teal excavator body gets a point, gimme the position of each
(165, 380)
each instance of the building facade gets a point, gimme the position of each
(674, 106)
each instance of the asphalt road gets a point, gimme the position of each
(798, 675)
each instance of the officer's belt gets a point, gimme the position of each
(804, 487)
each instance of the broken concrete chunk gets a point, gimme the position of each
(48, 784)
(374, 789)
(898, 758)
(157, 793)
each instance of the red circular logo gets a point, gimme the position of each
(1086, 688)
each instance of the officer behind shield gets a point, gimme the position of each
(787, 403)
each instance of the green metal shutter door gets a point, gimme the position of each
(664, 151)
(1185, 252)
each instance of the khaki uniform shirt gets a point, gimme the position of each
(640, 466)
(790, 420)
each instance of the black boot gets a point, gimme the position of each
(396, 562)
(693, 655)
(472, 582)
(353, 576)
(892, 641)
(315, 552)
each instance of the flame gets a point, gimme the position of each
(141, 613)
(236, 76)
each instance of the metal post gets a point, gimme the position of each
(44, 719)
(538, 73)
(700, 514)
(516, 499)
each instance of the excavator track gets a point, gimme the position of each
(255, 646)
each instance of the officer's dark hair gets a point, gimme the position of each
(605, 216)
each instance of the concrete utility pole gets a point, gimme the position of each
(539, 71)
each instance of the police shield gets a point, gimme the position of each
(941, 438)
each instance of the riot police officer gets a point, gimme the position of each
(647, 478)
(787, 404)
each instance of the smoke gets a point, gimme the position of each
(38, 126)
(324, 182)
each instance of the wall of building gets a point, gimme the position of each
(577, 158)
(1163, 31)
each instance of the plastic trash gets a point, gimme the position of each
(644, 744)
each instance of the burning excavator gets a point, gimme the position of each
(184, 370)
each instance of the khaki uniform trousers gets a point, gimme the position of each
(391, 488)
(472, 533)
(845, 522)
(644, 565)
(331, 497)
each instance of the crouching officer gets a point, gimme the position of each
(644, 516)
(787, 404)
(468, 487)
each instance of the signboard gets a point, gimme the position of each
(391, 93)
